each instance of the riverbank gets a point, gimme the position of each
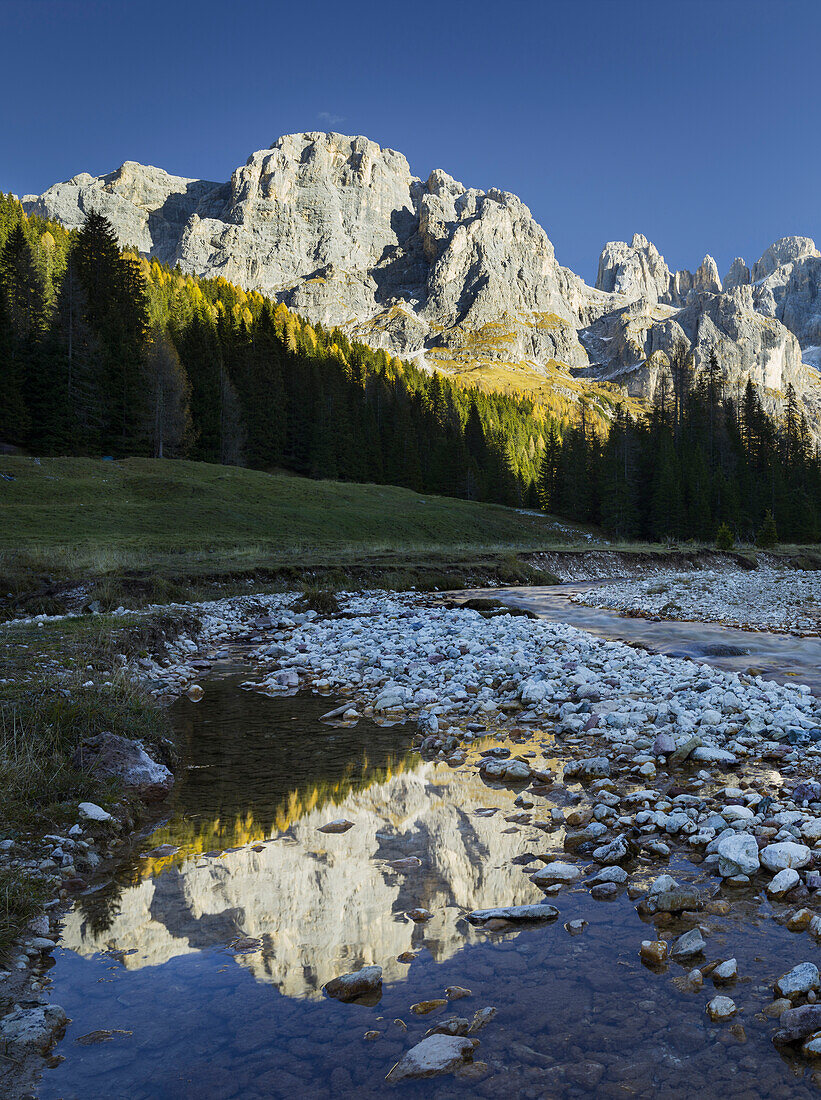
(68, 689)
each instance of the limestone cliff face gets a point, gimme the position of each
(149, 208)
(339, 229)
(633, 346)
(636, 270)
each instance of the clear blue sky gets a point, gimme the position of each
(695, 122)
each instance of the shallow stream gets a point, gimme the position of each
(781, 657)
(205, 950)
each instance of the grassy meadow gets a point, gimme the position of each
(167, 526)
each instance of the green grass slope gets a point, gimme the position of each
(155, 505)
(71, 519)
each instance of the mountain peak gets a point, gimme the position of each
(338, 228)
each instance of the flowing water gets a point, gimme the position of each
(206, 963)
(781, 657)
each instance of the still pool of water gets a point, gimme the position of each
(207, 963)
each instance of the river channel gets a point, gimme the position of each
(194, 967)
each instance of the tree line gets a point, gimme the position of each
(106, 353)
(704, 460)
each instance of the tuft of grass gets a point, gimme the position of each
(21, 899)
(321, 600)
(41, 731)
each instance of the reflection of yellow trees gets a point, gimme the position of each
(192, 837)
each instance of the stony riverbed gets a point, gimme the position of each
(761, 599)
(684, 795)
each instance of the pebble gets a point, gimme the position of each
(689, 945)
(422, 1008)
(800, 980)
(726, 971)
(721, 1008)
(654, 952)
(457, 992)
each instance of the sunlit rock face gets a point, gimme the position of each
(636, 270)
(148, 207)
(327, 904)
(339, 229)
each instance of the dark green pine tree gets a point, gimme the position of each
(259, 383)
(116, 315)
(549, 469)
(23, 318)
(200, 352)
(619, 478)
(14, 414)
(667, 518)
(768, 535)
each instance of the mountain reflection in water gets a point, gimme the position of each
(320, 903)
(169, 1003)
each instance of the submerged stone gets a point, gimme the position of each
(366, 982)
(515, 914)
(435, 1055)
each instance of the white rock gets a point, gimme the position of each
(689, 945)
(783, 882)
(737, 855)
(435, 1055)
(556, 872)
(800, 980)
(721, 1008)
(609, 874)
(93, 812)
(726, 971)
(737, 813)
(785, 854)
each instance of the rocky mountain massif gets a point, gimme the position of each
(341, 231)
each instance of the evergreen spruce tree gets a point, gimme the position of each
(549, 469)
(724, 538)
(767, 537)
(619, 478)
(169, 425)
(116, 315)
(14, 413)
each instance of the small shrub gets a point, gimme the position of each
(768, 535)
(724, 538)
(321, 600)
